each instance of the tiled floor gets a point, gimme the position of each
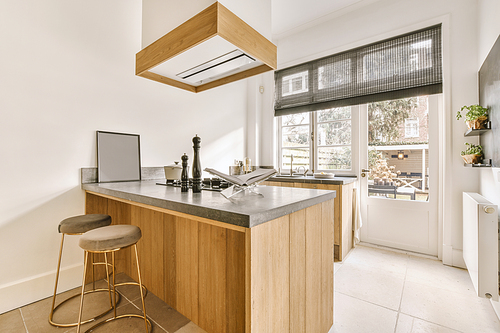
(33, 318)
(376, 291)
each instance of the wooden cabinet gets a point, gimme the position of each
(343, 213)
(274, 277)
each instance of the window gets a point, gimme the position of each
(318, 141)
(411, 128)
(403, 66)
(295, 84)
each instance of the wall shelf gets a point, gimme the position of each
(480, 165)
(477, 132)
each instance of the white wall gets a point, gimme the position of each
(488, 32)
(387, 18)
(68, 70)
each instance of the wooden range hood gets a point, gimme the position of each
(215, 29)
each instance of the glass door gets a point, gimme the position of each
(398, 178)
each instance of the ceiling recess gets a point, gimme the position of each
(177, 59)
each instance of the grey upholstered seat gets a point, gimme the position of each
(110, 238)
(83, 223)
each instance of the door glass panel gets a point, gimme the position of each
(398, 149)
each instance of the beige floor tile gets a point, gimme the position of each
(433, 273)
(12, 322)
(454, 310)
(129, 325)
(379, 259)
(355, 316)
(409, 324)
(404, 324)
(163, 315)
(336, 267)
(130, 292)
(191, 328)
(375, 286)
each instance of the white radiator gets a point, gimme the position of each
(480, 246)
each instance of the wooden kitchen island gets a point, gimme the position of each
(258, 264)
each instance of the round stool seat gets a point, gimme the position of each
(83, 223)
(110, 238)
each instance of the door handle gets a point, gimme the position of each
(365, 170)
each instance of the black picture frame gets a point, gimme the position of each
(118, 157)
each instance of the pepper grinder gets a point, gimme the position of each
(185, 173)
(196, 165)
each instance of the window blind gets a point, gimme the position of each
(404, 66)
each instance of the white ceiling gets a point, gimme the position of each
(290, 15)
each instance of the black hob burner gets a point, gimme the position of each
(209, 184)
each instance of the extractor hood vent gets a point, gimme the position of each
(233, 50)
(218, 67)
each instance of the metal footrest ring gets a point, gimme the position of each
(51, 316)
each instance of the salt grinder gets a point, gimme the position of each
(196, 165)
(185, 173)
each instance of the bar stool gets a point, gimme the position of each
(106, 240)
(78, 225)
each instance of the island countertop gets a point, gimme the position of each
(247, 211)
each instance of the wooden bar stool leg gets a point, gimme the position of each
(83, 292)
(57, 280)
(114, 290)
(107, 279)
(140, 286)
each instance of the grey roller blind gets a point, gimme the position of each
(404, 66)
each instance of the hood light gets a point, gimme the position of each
(219, 66)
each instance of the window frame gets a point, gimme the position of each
(314, 144)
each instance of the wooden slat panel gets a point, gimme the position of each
(298, 272)
(235, 282)
(169, 249)
(121, 213)
(186, 265)
(313, 268)
(270, 271)
(149, 248)
(248, 281)
(212, 278)
(260, 270)
(95, 204)
(280, 272)
(327, 254)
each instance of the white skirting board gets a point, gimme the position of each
(453, 257)
(35, 288)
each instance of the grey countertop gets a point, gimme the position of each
(311, 179)
(246, 210)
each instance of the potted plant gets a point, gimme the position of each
(473, 154)
(476, 116)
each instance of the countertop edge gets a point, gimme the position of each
(233, 218)
(312, 180)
